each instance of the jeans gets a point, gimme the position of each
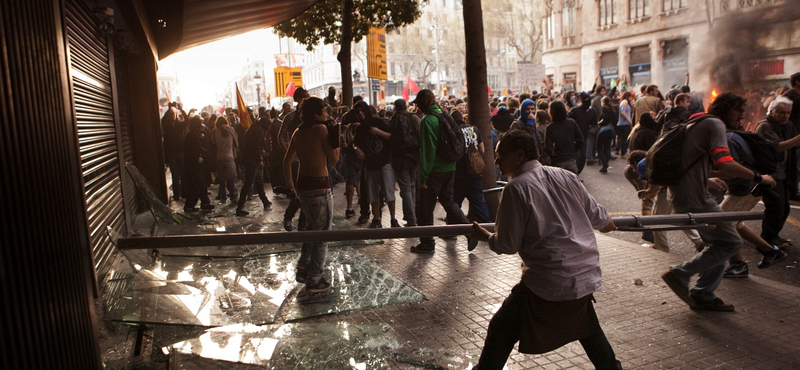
(252, 181)
(724, 241)
(439, 186)
(604, 138)
(776, 211)
(406, 172)
(591, 139)
(662, 206)
(176, 168)
(472, 189)
(230, 185)
(317, 205)
(622, 134)
(504, 331)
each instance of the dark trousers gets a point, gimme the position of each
(622, 138)
(776, 210)
(294, 205)
(252, 181)
(195, 187)
(471, 188)
(176, 168)
(505, 331)
(363, 199)
(439, 187)
(604, 146)
(276, 169)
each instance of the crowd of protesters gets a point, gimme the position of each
(394, 147)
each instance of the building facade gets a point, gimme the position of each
(660, 41)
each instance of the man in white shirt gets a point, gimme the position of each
(548, 217)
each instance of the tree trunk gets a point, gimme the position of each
(478, 103)
(345, 52)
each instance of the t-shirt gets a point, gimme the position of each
(705, 139)
(472, 138)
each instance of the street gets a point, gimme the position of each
(614, 192)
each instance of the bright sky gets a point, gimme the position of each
(204, 70)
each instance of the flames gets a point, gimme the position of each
(711, 99)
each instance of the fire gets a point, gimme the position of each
(713, 97)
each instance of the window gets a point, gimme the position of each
(568, 18)
(671, 5)
(750, 3)
(607, 14)
(551, 25)
(638, 9)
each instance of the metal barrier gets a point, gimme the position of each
(624, 223)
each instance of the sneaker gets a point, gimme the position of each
(678, 286)
(301, 226)
(190, 209)
(771, 258)
(267, 204)
(376, 224)
(715, 304)
(287, 225)
(737, 270)
(604, 170)
(241, 213)
(648, 236)
(349, 213)
(395, 223)
(207, 207)
(300, 276)
(321, 286)
(423, 249)
(363, 219)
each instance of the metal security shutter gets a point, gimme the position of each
(97, 134)
(125, 117)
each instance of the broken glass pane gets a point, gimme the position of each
(218, 292)
(316, 346)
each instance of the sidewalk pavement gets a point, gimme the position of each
(647, 325)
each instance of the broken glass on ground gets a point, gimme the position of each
(337, 345)
(219, 292)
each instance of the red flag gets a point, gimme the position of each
(488, 89)
(412, 86)
(222, 110)
(405, 93)
(290, 88)
(244, 117)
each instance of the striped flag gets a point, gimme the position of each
(244, 117)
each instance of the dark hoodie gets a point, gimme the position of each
(502, 120)
(646, 134)
(375, 148)
(584, 115)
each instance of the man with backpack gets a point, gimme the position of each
(372, 138)
(703, 141)
(406, 157)
(437, 166)
(743, 194)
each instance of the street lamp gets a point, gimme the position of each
(257, 77)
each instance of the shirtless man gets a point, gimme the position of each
(315, 143)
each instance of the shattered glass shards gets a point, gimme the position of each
(295, 346)
(337, 345)
(191, 291)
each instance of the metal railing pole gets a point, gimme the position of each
(181, 241)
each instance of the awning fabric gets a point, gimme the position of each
(181, 24)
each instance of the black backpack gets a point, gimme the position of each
(663, 161)
(451, 144)
(765, 154)
(405, 138)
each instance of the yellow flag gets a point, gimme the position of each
(244, 117)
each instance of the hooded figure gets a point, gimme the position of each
(646, 134)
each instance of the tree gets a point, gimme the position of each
(519, 24)
(344, 22)
(479, 114)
